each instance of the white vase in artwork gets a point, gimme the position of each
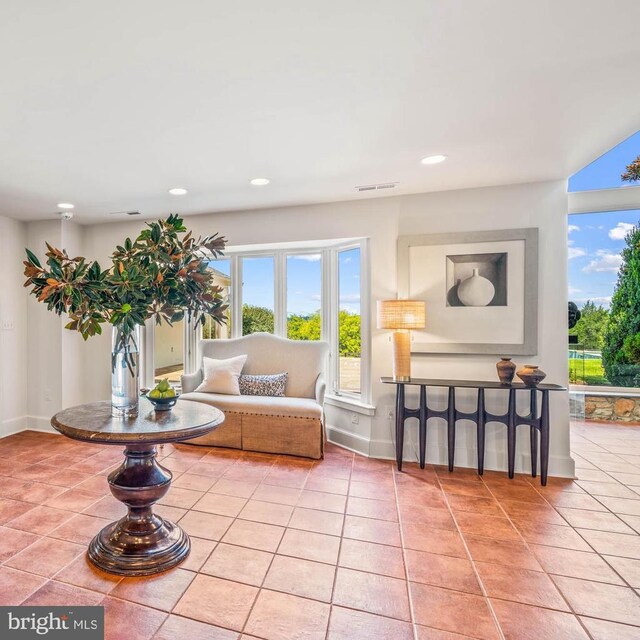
(476, 291)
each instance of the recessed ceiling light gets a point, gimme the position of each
(177, 191)
(65, 205)
(433, 159)
(260, 182)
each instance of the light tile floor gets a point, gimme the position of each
(345, 548)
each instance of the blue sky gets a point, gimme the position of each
(596, 239)
(604, 172)
(595, 242)
(304, 284)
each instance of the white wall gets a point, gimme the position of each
(44, 353)
(13, 328)
(542, 205)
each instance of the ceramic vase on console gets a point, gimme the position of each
(531, 375)
(506, 370)
(476, 291)
(125, 372)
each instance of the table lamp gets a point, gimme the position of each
(401, 316)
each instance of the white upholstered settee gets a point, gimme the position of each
(292, 424)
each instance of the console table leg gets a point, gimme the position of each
(511, 433)
(480, 431)
(422, 428)
(534, 452)
(533, 414)
(399, 424)
(544, 438)
(451, 426)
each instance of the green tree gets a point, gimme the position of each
(304, 327)
(349, 334)
(256, 319)
(307, 327)
(592, 326)
(624, 316)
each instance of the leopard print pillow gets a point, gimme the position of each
(263, 385)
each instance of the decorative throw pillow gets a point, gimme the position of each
(266, 385)
(221, 376)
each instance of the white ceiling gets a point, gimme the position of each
(109, 104)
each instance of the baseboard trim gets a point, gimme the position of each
(561, 467)
(14, 425)
(347, 440)
(39, 423)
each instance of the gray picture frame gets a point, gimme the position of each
(529, 345)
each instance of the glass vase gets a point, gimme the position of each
(125, 372)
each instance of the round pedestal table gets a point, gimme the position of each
(141, 543)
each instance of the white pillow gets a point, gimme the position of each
(221, 376)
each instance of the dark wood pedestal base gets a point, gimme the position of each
(141, 543)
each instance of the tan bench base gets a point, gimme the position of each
(268, 434)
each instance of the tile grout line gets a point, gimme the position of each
(414, 624)
(485, 595)
(526, 544)
(335, 575)
(602, 556)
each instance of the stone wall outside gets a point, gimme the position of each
(611, 408)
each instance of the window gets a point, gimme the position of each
(604, 172)
(304, 296)
(315, 291)
(168, 353)
(258, 303)
(349, 321)
(601, 351)
(222, 272)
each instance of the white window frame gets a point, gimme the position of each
(329, 308)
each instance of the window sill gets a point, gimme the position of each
(351, 404)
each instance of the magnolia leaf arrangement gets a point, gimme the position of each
(162, 274)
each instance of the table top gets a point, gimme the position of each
(472, 384)
(93, 422)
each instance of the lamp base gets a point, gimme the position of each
(401, 356)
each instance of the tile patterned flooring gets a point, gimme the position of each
(344, 549)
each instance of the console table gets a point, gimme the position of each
(537, 421)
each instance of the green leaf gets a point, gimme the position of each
(33, 259)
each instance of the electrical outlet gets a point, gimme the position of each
(391, 414)
(355, 418)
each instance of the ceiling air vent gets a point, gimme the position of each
(377, 187)
(124, 213)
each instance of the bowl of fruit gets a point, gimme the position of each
(163, 396)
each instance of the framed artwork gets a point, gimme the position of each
(480, 288)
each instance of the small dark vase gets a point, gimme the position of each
(531, 375)
(506, 370)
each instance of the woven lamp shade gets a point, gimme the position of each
(401, 314)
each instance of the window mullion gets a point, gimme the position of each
(333, 304)
(236, 296)
(280, 294)
(365, 322)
